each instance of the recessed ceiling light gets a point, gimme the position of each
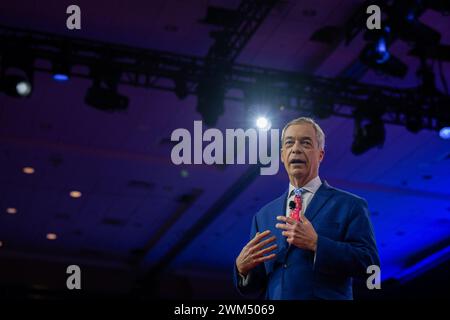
(51, 236)
(75, 194)
(28, 170)
(11, 210)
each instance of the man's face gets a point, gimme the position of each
(300, 152)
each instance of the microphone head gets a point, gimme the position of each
(291, 205)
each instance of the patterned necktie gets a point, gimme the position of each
(297, 211)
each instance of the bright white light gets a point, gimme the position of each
(263, 123)
(444, 133)
(23, 88)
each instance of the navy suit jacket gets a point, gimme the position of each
(345, 248)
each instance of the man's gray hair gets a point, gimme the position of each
(320, 136)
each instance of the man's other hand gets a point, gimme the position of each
(298, 233)
(254, 252)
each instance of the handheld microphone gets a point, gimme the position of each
(291, 205)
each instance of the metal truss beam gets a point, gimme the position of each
(155, 69)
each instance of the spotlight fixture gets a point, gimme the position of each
(367, 135)
(443, 119)
(61, 71)
(377, 56)
(427, 79)
(75, 194)
(16, 86)
(181, 88)
(16, 74)
(210, 99)
(28, 170)
(444, 133)
(414, 122)
(263, 123)
(103, 94)
(11, 210)
(51, 236)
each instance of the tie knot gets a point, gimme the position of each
(298, 191)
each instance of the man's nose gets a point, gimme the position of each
(296, 148)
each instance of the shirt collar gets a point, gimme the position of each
(312, 186)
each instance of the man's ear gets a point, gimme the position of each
(322, 155)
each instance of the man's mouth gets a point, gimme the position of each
(297, 161)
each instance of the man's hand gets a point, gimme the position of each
(298, 233)
(253, 253)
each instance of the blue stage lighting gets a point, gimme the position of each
(60, 77)
(444, 133)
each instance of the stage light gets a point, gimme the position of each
(376, 54)
(60, 77)
(16, 76)
(382, 55)
(210, 100)
(414, 123)
(103, 93)
(427, 78)
(410, 16)
(263, 123)
(28, 170)
(181, 89)
(75, 194)
(61, 71)
(367, 136)
(378, 58)
(106, 99)
(443, 117)
(444, 133)
(16, 86)
(11, 210)
(259, 101)
(23, 88)
(51, 236)
(413, 118)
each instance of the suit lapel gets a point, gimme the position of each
(319, 199)
(281, 240)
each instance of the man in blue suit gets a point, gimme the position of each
(315, 254)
